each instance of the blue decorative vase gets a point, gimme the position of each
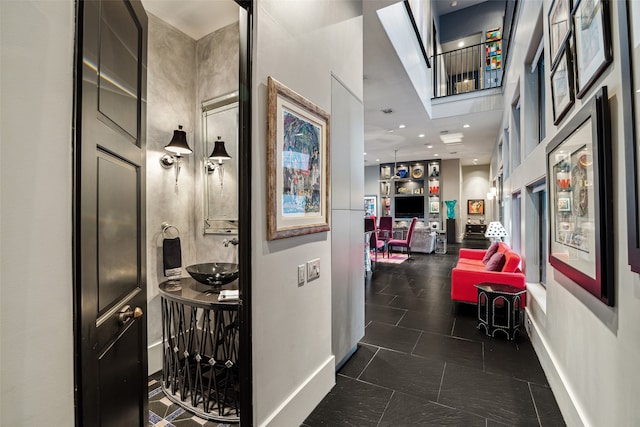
(451, 213)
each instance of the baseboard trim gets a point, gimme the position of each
(154, 358)
(297, 407)
(564, 394)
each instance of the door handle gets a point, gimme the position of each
(127, 314)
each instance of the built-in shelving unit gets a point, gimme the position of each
(411, 189)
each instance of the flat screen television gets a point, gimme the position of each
(409, 206)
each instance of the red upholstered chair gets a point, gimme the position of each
(374, 243)
(385, 228)
(406, 243)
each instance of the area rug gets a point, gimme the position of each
(393, 259)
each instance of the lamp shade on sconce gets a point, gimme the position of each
(219, 152)
(178, 144)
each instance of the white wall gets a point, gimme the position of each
(589, 351)
(300, 44)
(451, 182)
(36, 350)
(475, 185)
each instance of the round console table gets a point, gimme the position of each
(200, 349)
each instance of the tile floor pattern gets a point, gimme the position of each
(423, 362)
(165, 413)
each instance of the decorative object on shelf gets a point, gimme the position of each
(559, 27)
(495, 231)
(385, 172)
(417, 171)
(298, 163)
(629, 21)
(434, 170)
(451, 204)
(579, 244)
(562, 85)
(434, 205)
(434, 186)
(177, 147)
(402, 172)
(563, 178)
(592, 41)
(475, 207)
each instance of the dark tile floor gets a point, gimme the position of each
(423, 362)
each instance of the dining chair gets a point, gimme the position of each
(406, 243)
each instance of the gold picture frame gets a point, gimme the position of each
(298, 154)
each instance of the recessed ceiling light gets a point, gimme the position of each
(421, 135)
(390, 130)
(402, 126)
(436, 154)
(365, 153)
(475, 160)
(429, 146)
(461, 44)
(466, 126)
(377, 160)
(454, 3)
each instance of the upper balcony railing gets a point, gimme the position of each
(468, 69)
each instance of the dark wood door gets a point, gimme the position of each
(109, 208)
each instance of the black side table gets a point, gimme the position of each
(500, 308)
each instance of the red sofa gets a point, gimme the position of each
(470, 270)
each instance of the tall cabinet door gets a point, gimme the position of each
(109, 222)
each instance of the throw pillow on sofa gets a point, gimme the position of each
(496, 262)
(490, 252)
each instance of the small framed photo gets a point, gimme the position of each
(562, 85)
(564, 204)
(434, 205)
(475, 207)
(559, 28)
(592, 41)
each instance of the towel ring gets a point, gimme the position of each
(166, 226)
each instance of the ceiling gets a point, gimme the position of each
(386, 86)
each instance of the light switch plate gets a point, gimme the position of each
(301, 276)
(313, 269)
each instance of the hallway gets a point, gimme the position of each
(423, 362)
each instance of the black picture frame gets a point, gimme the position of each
(591, 26)
(562, 92)
(559, 20)
(580, 246)
(630, 66)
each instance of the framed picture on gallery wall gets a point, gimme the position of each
(580, 199)
(559, 19)
(592, 42)
(297, 164)
(562, 85)
(475, 207)
(629, 27)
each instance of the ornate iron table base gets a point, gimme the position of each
(200, 360)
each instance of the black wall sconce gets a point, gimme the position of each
(177, 147)
(218, 154)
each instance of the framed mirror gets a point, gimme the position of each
(220, 124)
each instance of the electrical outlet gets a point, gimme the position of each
(313, 269)
(301, 276)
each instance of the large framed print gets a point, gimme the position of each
(562, 85)
(559, 27)
(298, 164)
(581, 199)
(629, 26)
(592, 42)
